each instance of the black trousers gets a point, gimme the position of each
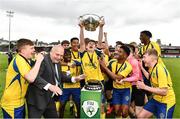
(48, 112)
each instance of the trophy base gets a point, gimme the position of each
(90, 29)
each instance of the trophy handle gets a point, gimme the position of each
(102, 18)
(80, 18)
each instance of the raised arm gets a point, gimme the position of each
(100, 36)
(105, 39)
(82, 42)
(106, 44)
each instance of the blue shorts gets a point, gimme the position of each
(121, 96)
(160, 110)
(14, 113)
(67, 92)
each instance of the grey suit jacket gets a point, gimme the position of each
(36, 95)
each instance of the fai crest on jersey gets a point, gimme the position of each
(127, 98)
(90, 107)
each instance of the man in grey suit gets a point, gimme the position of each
(48, 84)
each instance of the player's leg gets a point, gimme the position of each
(132, 104)
(126, 98)
(117, 101)
(76, 92)
(108, 95)
(148, 110)
(63, 99)
(144, 114)
(139, 100)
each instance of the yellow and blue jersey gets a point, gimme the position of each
(160, 78)
(151, 45)
(16, 85)
(91, 66)
(120, 69)
(161, 106)
(74, 71)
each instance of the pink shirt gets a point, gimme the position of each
(136, 70)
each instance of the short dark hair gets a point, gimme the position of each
(126, 49)
(119, 43)
(22, 42)
(65, 42)
(87, 40)
(147, 33)
(74, 38)
(67, 55)
(111, 49)
(132, 47)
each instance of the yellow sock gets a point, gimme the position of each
(103, 115)
(75, 108)
(57, 106)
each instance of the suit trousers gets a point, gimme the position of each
(49, 112)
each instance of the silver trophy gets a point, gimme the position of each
(90, 21)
